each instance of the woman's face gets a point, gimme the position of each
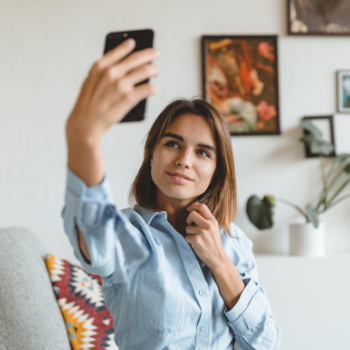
(188, 147)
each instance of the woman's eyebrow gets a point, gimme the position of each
(180, 138)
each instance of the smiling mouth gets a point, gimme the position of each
(178, 179)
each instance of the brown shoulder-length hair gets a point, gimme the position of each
(221, 195)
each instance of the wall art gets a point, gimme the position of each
(240, 78)
(318, 17)
(343, 91)
(326, 126)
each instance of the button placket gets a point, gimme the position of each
(199, 285)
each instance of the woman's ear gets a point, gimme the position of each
(151, 163)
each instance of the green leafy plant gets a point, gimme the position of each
(335, 179)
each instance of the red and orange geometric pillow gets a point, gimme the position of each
(79, 295)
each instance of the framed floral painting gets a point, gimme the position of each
(240, 79)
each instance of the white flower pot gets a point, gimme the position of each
(306, 240)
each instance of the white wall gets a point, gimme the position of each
(46, 50)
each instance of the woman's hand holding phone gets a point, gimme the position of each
(106, 96)
(109, 90)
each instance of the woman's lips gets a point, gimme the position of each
(178, 179)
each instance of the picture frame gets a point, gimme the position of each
(318, 17)
(326, 125)
(343, 91)
(240, 79)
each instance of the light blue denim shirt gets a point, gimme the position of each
(159, 293)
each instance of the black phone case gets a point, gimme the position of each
(144, 39)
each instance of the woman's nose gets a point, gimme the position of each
(184, 159)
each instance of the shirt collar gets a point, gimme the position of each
(148, 214)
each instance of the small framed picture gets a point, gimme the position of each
(343, 91)
(240, 79)
(325, 125)
(318, 17)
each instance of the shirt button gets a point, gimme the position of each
(203, 328)
(201, 292)
(109, 212)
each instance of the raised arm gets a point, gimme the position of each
(85, 159)
(107, 94)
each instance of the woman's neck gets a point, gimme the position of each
(176, 213)
(178, 221)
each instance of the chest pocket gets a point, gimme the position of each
(160, 303)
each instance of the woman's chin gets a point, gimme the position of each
(178, 195)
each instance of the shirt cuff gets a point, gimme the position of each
(78, 186)
(248, 311)
(97, 204)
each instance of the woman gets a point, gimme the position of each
(177, 272)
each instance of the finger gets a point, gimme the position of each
(188, 239)
(138, 59)
(110, 58)
(192, 240)
(197, 218)
(140, 74)
(202, 209)
(102, 81)
(125, 103)
(112, 79)
(192, 230)
(115, 55)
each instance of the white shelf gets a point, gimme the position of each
(309, 298)
(328, 255)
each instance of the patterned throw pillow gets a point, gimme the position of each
(79, 295)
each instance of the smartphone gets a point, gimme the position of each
(144, 39)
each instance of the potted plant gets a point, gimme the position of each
(308, 238)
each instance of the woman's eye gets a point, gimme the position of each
(206, 153)
(170, 143)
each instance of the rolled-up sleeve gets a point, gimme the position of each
(251, 319)
(114, 244)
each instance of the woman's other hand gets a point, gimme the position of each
(205, 237)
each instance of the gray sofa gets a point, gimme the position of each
(30, 318)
